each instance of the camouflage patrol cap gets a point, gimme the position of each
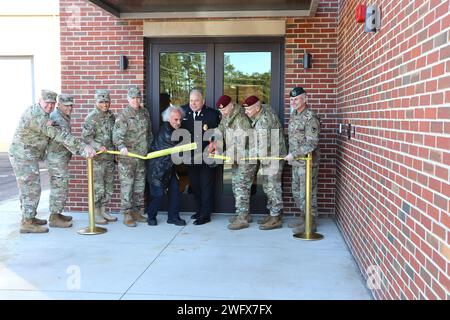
(102, 96)
(48, 96)
(134, 92)
(297, 91)
(65, 99)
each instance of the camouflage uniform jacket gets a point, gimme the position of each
(54, 148)
(304, 129)
(263, 124)
(33, 133)
(133, 130)
(98, 131)
(237, 121)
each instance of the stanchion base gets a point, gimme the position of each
(308, 236)
(95, 230)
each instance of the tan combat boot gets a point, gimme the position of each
(274, 222)
(240, 222)
(137, 216)
(38, 222)
(297, 222)
(106, 215)
(27, 226)
(128, 219)
(57, 222)
(64, 218)
(99, 217)
(264, 220)
(301, 229)
(248, 218)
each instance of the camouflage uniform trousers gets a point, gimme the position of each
(58, 172)
(242, 176)
(132, 183)
(29, 184)
(299, 187)
(271, 182)
(103, 181)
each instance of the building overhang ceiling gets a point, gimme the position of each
(150, 9)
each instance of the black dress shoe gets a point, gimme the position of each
(201, 221)
(152, 222)
(195, 216)
(177, 222)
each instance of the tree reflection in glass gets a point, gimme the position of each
(180, 72)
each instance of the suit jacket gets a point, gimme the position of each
(208, 118)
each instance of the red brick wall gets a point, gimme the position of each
(91, 42)
(318, 36)
(392, 186)
(90, 49)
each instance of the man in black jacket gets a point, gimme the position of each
(197, 120)
(161, 175)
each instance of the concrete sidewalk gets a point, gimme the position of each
(8, 182)
(170, 262)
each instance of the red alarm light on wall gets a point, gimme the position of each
(360, 13)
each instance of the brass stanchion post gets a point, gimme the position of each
(308, 234)
(91, 229)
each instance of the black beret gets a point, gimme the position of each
(297, 91)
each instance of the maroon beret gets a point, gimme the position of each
(224, 101)
(250, 101)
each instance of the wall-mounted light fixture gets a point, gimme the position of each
(307, 60)
(123, 62)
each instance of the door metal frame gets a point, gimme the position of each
(214, 49)
(210, 44)
(275, 81)
(155, 50)
(257, 203)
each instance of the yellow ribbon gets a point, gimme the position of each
(130, 154)
(226, 158)
(219, 156)
(156, 154)
(165, 152)
(262, 158)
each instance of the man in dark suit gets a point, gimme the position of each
(197, 120)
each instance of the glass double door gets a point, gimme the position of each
(225, 66)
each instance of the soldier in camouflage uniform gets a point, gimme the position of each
(98, 131)
(132, 133)
(57, 159)
(268, 130)
(29, 144)
(304, 128)
(234, 128)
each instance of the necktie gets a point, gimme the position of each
(196, 114)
